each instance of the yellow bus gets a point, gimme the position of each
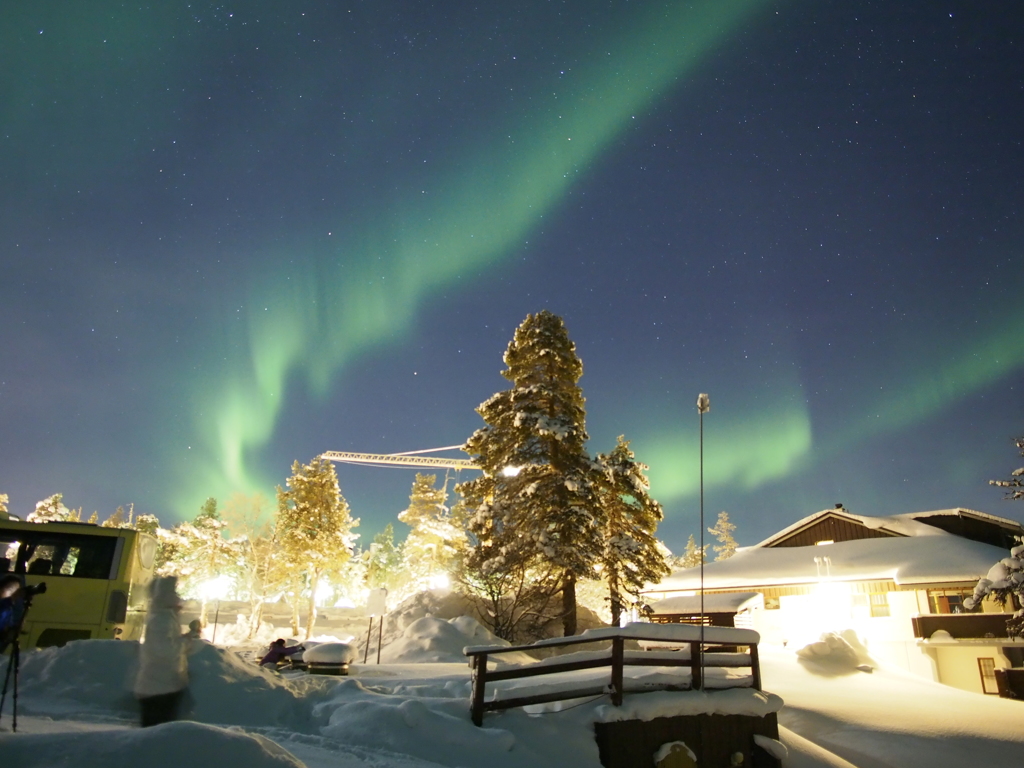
(97, 579)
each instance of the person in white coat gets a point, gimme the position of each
(163, 666)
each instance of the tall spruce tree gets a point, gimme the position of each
(314, 529)
(537, 502)
(631, 557)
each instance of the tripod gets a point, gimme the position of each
(14, 663)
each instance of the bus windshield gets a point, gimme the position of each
(48, 553)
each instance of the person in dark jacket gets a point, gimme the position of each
(11, 606)
(279, 653)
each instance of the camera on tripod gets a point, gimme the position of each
(31, 590)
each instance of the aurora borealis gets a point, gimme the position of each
(237, 236)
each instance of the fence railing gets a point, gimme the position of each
(695, 648)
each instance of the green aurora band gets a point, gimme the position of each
(317, 320)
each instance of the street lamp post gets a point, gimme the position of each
(703, 406)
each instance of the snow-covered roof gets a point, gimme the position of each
(728, 602)
(938, 557)
(907, 524)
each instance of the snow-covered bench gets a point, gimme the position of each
(696, 654)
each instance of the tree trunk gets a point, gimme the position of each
(202, 612)
(311, 618)
(569, 606)
(614, 599)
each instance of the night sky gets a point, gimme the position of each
(236, 235)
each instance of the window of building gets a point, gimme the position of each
(947, 600)
(879, 604)
(987, 670)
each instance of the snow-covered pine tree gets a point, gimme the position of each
(1016, 481)
(1004, 583)
(726, 546)
(196, 552)
(120, 518)
(384, 560)
(692, 555)
(52, 510)
(433, 542)
(537, 499)
(314, 527)
(631, 558)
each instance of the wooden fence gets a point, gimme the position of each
(694, 648)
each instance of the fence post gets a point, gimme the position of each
(755, 667)
(696, 676)
(618, 660)
(479, 682)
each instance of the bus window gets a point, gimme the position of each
(83, 557)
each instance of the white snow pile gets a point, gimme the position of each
(75, 710)
(841, 652)
(172, 745)
(430, 639)
(98, 674)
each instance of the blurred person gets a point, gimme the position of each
(195, 630)
(162, 678)
(278, 653)
(11, 607)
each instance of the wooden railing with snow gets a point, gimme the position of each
(697, 649)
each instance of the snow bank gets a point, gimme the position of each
(434, 640)
(224, 689)
(172, 745)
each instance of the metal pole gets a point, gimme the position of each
(216, 618)
(380, 634)
(369, 634)
(703, 405)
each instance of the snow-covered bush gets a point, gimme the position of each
(1005, 581)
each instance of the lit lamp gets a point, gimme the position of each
(217, 589)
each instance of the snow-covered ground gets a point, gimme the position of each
(413, 712)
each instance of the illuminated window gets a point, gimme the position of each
(987, 670)
(879, 604)
(947, 600)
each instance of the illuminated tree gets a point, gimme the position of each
(536, 507)
(3, 503)
(52, 510)
(693, 555)
(726, 546)
(631, 558)
(434, 540)
(1016, 481)
(314, 529)
(384, 561)
(261, 573)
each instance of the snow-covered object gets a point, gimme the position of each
(723, 602)
(172, 745)
(430, 639)
(416, 716)
(907, 560)
(832, 650)
(330, 653)
(671, 747)
(97, 674)
(773, 747)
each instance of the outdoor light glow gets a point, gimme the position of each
(511, 471)
(216, 588)
(439, 581)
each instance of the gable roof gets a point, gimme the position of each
(908, 524)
